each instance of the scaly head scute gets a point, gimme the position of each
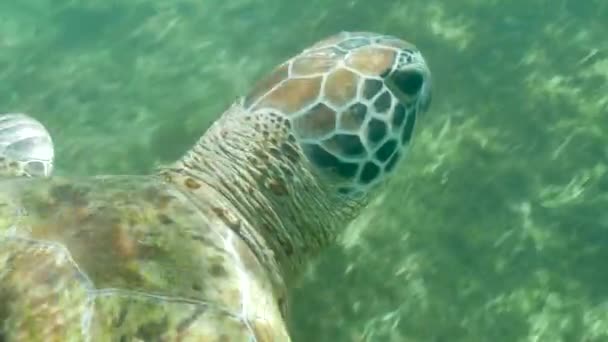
(300, 155)
(352, 101)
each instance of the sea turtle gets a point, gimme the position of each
(206, 248)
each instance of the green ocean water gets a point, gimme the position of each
(496, 227)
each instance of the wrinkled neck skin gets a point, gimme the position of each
(253, 171)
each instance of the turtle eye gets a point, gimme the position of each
(406, 84)
(408, 81)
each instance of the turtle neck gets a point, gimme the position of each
(263, 187)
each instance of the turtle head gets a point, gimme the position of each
(304, 150)
(352, 101)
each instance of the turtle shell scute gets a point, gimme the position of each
(125, 258)
(376, 131)
(340, 87)
(354, 42)
(353, 117)
(323, 159)
(345, 146)
(371, 60)
(263, 86)
(291, 95)
(316, 123)
(313, 63)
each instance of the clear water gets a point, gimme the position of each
(496, 228)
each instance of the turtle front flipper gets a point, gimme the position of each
(26, 147)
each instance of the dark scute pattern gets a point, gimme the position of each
(349, 145)
(347, 170)
(318, 121)
(392, 162)
(408, 129)
(383, 102)
(369, 173)
(357, 112)
(319, 156)
(371, 87)
(376, 130)
(408, 81)
(323, 159)
(386, 151)
(398, 115)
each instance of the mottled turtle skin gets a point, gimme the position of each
(206, 248)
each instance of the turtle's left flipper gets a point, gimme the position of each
(26, 147)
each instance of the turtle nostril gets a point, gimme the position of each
(408, 81)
